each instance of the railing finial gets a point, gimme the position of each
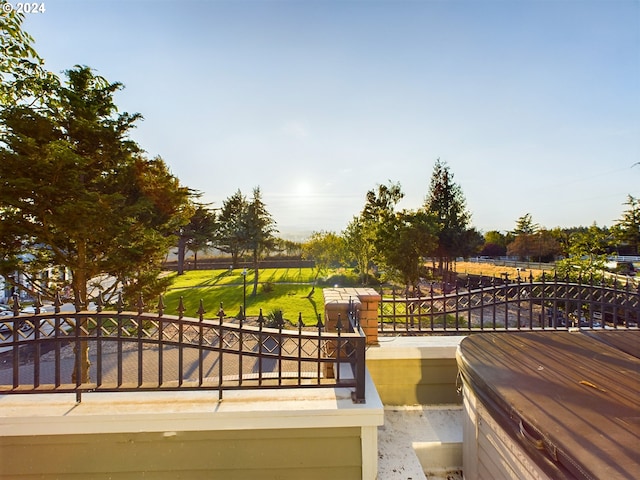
(37, 305)
(99, 302)
(140, 305)
(181, 308)
(120, 303)
(77, 303)
(161, 306)
(201, 311)
(16, 304)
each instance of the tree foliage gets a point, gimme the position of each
(23, 78)
(77, 192)
(587, 254)
(197, 235)
(259, 232)
(495, 244)
(381, 204)
(446, 202)
(359, 238)
(230, 237)
(326, 249)
(402, 242)
(525, 226)
(362, 232)
(627, 228)
(541, 246)
(529, 241)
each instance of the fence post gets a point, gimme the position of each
(359, 395)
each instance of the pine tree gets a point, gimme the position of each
(446, 202)
(259, 231)
(627, 228)
(230, 237)
(78, 193)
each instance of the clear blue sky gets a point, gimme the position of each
(535, 105)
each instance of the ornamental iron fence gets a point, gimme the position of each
(491, 304)
(116, 351)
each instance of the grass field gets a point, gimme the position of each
(491, 270)
(287, 290)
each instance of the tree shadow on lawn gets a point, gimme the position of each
(291, 299)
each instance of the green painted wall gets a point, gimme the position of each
(415, 381)
(318, 453)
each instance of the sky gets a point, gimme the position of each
(533, 105)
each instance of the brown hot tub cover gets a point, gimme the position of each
(570, 399)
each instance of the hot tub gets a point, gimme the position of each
(559, 405)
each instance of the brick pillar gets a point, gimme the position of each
(365, 301)
(369, 304)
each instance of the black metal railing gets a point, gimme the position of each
(511, 305)
(110, 351)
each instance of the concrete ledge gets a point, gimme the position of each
(53, 414)
(424, 347)
(249, 434)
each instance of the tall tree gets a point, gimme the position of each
(627, 229)
(361, 233)
(523, 244)
(382, 203)
(541, 246)
(259, 231)
(359, 240)
(197, 235)
(403, 240)
(326, 249)
(77, 192)
(446, 202)
(525, 226)
(230, 236)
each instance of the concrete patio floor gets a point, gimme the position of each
(420, 443)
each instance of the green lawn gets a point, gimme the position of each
(289, 292)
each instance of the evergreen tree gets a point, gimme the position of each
(259, 230)
(525, 226)
(230, 237)
(197, 235)
(77, 192)
(446, 202)
(627, 228)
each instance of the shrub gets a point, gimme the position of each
(274, 319)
